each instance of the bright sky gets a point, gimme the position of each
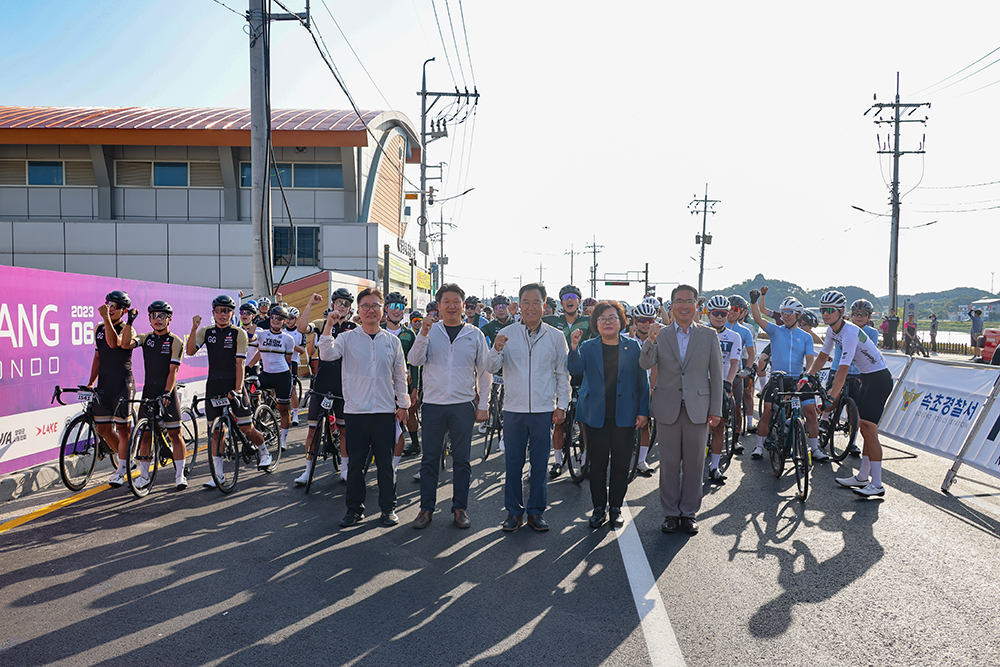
(606, 123)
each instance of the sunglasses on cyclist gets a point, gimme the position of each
(567, 297)
(645, 320)
(826, 310)
(859, 313)
(222, 310)
(719, 313)
(788, 312)
(396, 306)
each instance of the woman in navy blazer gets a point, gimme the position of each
(613, 402)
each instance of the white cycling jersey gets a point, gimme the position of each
(273, 347)
(732, 346)
(858, 348)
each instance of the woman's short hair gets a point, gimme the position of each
(600, 308)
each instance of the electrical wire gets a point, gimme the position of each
(348, 42)
(956, 187)
(953, 83)
(454, 39)
(447, 59)
(222, 4)
(468, 51)
(972, 64)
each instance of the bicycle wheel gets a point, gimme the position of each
(297, 389)
(334, 450)
(134, 458)
(492, 429)
(319, 441)
(266, 420)
(573, 450)
(800, 457)
(633, 460)
(841, 431)
(776, 446)
(224, 455)
(189, 432)
(78, 453)
(729, 429)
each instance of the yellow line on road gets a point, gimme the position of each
(14, 523)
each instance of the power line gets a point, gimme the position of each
(443, 46)
(972, 64)
(935, 92)
(956, 187)
(348, 42)
(975, 90)
(468, 51)
(968, 210)
(458, 56)
(222, 4)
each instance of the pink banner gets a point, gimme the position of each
(47, 322)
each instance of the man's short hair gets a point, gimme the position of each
(681, 288)
(532, 286)
(370, 291)
(449, 287)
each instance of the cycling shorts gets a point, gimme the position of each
(315, 408)
(171, 414)
(281, 383)
(112, 396)
(787, 384)
(875, 390)
(216, 388)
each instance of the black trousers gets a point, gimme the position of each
(614, 442)
(370, 434)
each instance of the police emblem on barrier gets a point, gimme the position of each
(909, 397)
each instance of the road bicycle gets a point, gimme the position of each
(838, 433)
(494, 419)
(232, 447)
(81, 446)
(149, 444)
(633, 465)
(326, 436)
(787, 433)
(574, 448)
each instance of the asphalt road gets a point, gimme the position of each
(265, 577)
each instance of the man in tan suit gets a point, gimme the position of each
(687, 401)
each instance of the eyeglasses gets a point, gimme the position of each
(827, 310)
(570, 295)
(645, 320)
(470, 306)
(112, 304)
(788, 312)
(719, 313)
(222, 310)
(860, 313)
(342, 302)
(158, 316)
(684, 302)
(397, 306)
(370, 307)
(607, 320)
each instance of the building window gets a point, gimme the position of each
(306, 246)
(170, 174)
(45, 173)
(319, 176)
(281, 171)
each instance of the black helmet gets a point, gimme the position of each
(552, 302)
(160, 306)
(119, 297)
(342, 293)
(737, 301)
(810, 319)
(414, 314)
(863, 304)
(249, 307)
(433, 306)
(500, 299)
(224, 300)
(471, 300)
(569, 289)
(395, 297)
(279, 310)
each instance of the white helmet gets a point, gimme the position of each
(293, 313)
(834, 299)
(718, 302)
(791, 303)
(644, 309)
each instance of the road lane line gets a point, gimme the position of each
(664, 651)
(14, 523)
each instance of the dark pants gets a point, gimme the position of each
(521, 429)
(616, 442)
(370, 434)
(457, 421)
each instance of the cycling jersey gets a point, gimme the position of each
(789, 348)
(746, 338)
(112, 362)
(328, 373)
(274, 348)
(839, 350)
(858, 346)
(224, 345)
(478, 321)
(159, 353)
(493, 328)
(559, 322)
(732, 345)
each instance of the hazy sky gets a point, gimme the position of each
(601, 120)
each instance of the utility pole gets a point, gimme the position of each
(646, 289)
(884, 149)
(571, 256)
(442, 258)
(540, 273)
(439, 129)
(704, 238)
(593, 269)
(260, 139)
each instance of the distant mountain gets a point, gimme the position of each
(949, 301)
(779, 289)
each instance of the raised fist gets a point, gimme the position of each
(574, 338)
(754, 295)
(500, 342)
(654, 331)
(315, 298)
(196, 321)
(425, 326)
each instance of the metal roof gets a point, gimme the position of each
(161, 126)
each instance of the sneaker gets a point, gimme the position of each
(182, 483)
(853, 450)
(295, 420)
(870, 490)
(500, 445)
(284, 446)
(416, 477)
(852, 482)
(715, 475)
(644, 469)
(141, 482)
(265, 461)
(482, 427)
(116, 480)
(210, 484)
(555, 470)
(757, 452)
(819, 455)
(302, 479)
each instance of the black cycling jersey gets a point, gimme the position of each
(225, 346)
(159, 353)
(328, 375)
(116, 362)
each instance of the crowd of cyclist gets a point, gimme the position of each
(267, 339)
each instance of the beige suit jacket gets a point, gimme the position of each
(697, 382)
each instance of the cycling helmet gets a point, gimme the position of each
(863, 304)
(569, 289)
(224, 300)
(588, 302)
(395, 297)
(341, 293)
(810, 319)
(160, 306)
(471, 300)
(432, 307)
(736, 301)
(644, 309)
(293, 313)
(122, 299)
(791, 303)
(264, 303)
(414, 314)
(834, 299)
(500, 300)
(279, 310)
(249, 307)
(553, 303)
(718, 302)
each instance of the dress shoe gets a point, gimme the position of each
(411, 449)
(389, 518)
(512, 523)
(597, 518)
(644, 469)
(689, 525)
(715, 476)
(538, 523)
(423, 518)
(462, 519)
(350, 519)
(615, 517)
(670, 524)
